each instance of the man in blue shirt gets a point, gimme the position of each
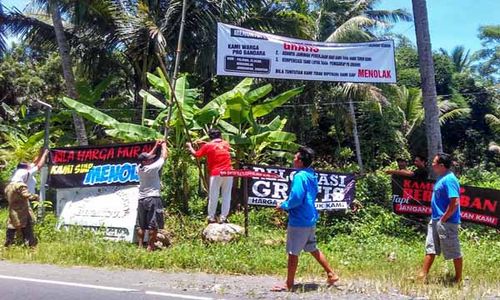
(442, 233)
(302, 218)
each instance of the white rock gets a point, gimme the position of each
(163, 239)
(222, 232)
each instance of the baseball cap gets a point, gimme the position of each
(145, 156)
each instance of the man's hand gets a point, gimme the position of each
(450, 210)
(190, 148)
(164, 150)
(389, 172)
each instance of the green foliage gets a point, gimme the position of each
(29, 75)
(489, 57)
(443, 68)
(122, 131)
(236, 113)
(481, 177)
(409, 77)
(380, 148)
(89, 112)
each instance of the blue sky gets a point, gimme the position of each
(452, 22)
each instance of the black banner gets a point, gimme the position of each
(335, 190)
(478, 205)
(96, 165)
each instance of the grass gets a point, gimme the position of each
(361, 254)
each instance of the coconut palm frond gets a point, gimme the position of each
(453, 114)
(391, 16)
(354, 30)
(494, 122)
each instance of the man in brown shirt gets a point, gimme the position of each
(21, 217)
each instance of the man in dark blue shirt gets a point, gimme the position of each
(442, 233)
(302, 218)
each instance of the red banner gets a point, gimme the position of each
(248, 173)
(477, 205)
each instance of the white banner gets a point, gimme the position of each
(111, 208)
(248, 53)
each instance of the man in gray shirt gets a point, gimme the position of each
(150, 207)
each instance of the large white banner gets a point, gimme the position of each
(109, 208)
(248, 53)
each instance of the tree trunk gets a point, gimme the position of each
(356, 136)
(432, 127)
(81, 134)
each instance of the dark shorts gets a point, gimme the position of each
(150, 213)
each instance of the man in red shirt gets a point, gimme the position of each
(218, 159)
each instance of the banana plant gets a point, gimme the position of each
(126, 132)
(237, 113)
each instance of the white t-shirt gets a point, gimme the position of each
(20, 175)
(149, 179)
(31, 179)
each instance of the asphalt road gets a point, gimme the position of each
(46, 282)
(49, 282)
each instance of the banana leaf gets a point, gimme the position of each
(152, 100)
(227, 127)
(90, 113)
(133, 132)
(217, 106)
(269, 105)
(160, 83)
(258, 93)
(237, 109)
(237, 140)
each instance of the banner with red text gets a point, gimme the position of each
(97, 187)
(478, 205)
(248, 53)
(95, 165)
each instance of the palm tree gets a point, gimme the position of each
(64, 52)
(409, 102)
(43, 27)
(493, 120)
(352, 21)
(460, 58)
(2, 30)
(48, 26)
(433, 130)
